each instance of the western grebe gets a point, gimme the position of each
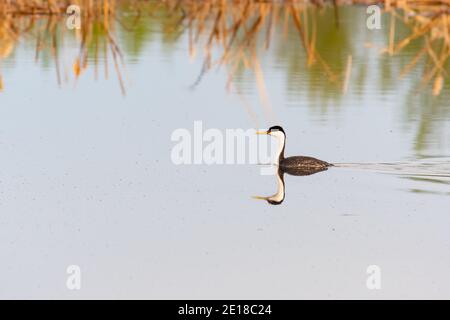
(296, 166)
(296, 163)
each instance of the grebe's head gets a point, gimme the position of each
(278, 133)
(274, 200)
(275, 129)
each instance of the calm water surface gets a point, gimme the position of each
(86, 176)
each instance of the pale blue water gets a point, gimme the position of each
(86, 179)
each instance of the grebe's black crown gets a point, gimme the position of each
(275, 128)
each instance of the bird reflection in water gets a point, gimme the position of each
(279, 196)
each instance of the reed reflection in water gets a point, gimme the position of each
(240, 31)
(323, 54)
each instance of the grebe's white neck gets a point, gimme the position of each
(279, 196)
(281, 139)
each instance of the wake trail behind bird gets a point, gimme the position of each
(434, 167)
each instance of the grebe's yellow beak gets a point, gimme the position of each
(259, 198)
(261, 132)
